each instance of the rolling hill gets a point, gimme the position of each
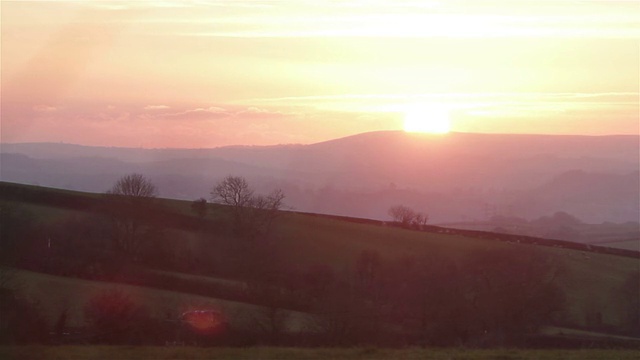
(453, 177)
(301, 242)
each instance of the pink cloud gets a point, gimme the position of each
(175, 125)
(212, 112)
(261, 113)
(157, 107)
(44, 108)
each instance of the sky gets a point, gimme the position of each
(196, 74)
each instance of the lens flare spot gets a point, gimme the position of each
(204, 321)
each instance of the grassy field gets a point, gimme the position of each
(175, 353)
(607, 234)
(591, 280)
(627, 244)
(50, 215)
(55, 293)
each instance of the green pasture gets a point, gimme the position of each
(259, 353)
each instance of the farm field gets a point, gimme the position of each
(628, 245)
(194, 353)
(55, 294)
(590, 281)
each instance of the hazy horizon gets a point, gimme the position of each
(194, 74)
(425, 135)
(454, 176)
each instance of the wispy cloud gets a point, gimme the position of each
(211, 112)
(398, 102)
(44, 108)
(407, 19)
(468, 19)
(157, 107)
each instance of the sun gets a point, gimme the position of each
(427, 118)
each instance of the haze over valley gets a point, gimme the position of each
(456, 177)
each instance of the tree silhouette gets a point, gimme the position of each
(130, 200)
(253, 215)
(233, 191)
(135, 187)
(407, 217)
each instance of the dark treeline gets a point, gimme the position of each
(491, 297)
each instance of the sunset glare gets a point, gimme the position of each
(214, 73)
(427, 119)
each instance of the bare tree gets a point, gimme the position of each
(401, 214)
(421, 219)
(233, 191)
(263, 211)
(253, 215)
(130, 199)
(134, 186)
(407, 217)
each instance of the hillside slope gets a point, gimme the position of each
(301, 243)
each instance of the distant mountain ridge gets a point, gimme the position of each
(453, 177)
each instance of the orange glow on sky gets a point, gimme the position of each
(214, 73)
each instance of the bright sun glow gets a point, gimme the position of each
(430, 118)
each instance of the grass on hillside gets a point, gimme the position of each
(175, 353)
(627, 244)
(591, 281)
(56, 293)
(47, 215)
